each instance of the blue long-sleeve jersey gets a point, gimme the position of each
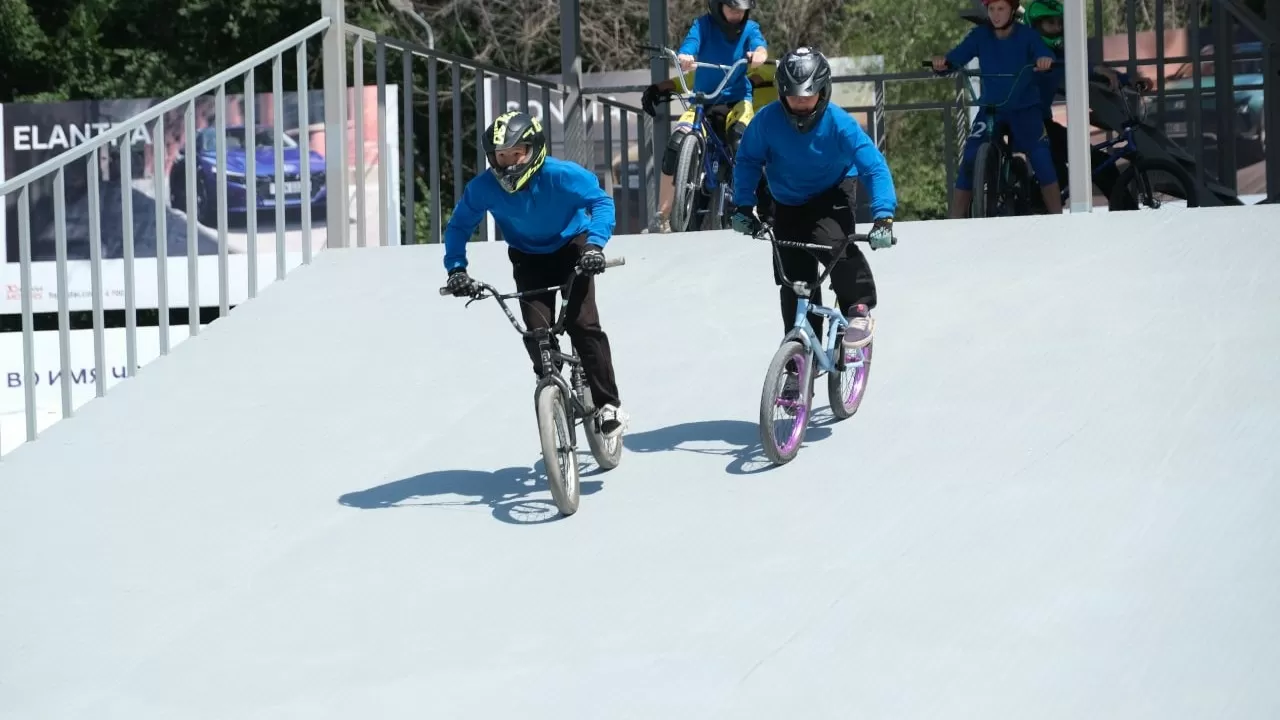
(538, 219)
(1053, 84)
(802, 166)
(707, 44)
(1007, 56)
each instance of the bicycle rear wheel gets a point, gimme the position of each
(688, 184)
(845, 389)
(558, 453)
(608, 453)
(781, 439)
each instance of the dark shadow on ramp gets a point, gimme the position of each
(507, 492)
(747, 454)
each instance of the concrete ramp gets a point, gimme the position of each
(1058, 500)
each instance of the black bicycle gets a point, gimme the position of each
(560, 404)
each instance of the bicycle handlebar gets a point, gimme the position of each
(483, 290)
(689, 94)
(837, 250)
(766, 233)
(608, 263)
(979, 74)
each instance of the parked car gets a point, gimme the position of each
(1246, 112)
(236, 163)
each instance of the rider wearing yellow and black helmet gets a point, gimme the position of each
(555, 218)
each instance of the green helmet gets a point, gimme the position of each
(1039, 10)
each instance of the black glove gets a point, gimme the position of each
(592, 261)
(459, 282)
(652, 96)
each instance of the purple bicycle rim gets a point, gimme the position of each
(802, 409)
(859, 376)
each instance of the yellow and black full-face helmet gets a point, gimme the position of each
(508, 131)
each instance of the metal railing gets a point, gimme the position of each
(456, 98)
(199, 192)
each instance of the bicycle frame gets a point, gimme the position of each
(1128, 148)
(823, 350)
(543, 337)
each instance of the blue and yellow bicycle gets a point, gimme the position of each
(704, 170)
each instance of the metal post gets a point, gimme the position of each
(575, 139)
(658, 70)
(1076, 38)
(334, 50)
(1271, 89)
(1225, 127)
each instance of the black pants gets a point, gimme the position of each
(1105, 179)
(582, 318)
(826, 220)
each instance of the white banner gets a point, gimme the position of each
(47, 378)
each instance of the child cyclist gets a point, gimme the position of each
(815, 153)
(722, 36)
(1045, 16)
(542, 205)
(1004, 47)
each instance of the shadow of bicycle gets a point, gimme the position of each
(507, 492)
(737, 439)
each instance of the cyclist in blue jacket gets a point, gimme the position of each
(815, 153)
(724, 35)
(554, 218)
(1004, 47)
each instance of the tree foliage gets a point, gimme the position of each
(80, 49)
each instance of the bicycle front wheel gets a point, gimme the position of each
(688, 184)
(558, 453)
(986, 182)
(784, 416)
(1150, 183)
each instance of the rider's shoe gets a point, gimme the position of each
(613, 421)
(663, 223)
(862, 327)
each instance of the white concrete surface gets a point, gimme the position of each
(1057, 501)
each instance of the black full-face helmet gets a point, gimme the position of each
(507, 131)
(803, 72)
(731, 30)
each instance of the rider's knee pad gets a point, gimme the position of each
(735, 134)
(672, 154)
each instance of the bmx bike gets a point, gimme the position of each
(560, 404)
(802, 353)
(1143, 178)
(704, 170)
(1002, 183)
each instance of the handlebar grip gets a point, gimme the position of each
(444, 291)
(615, 262)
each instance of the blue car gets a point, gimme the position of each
(237, 159)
